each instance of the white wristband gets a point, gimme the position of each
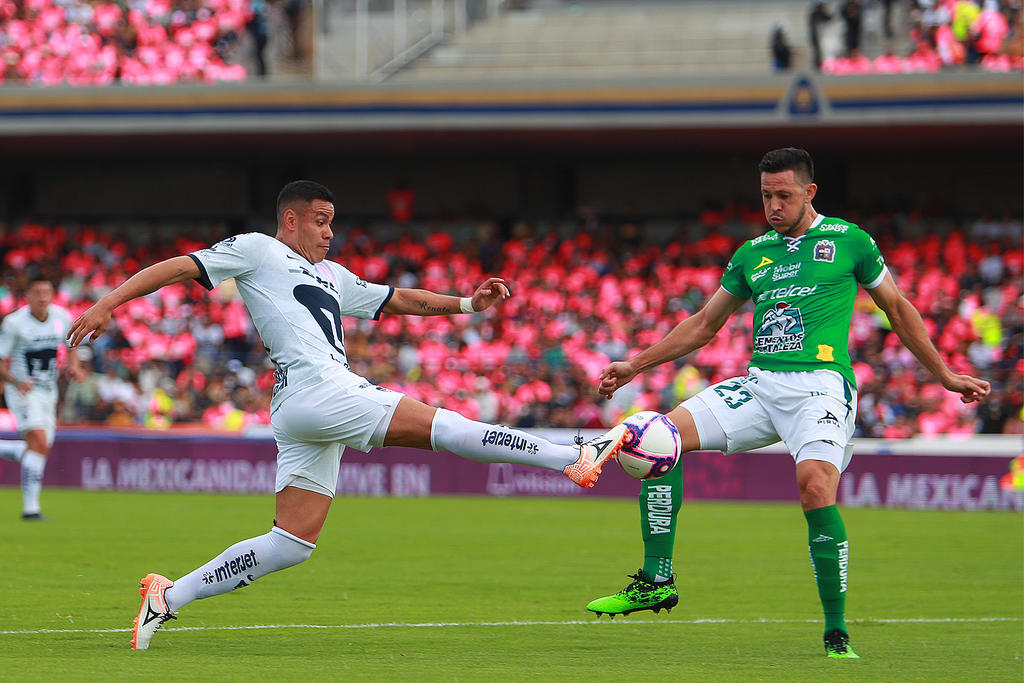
(466, 304)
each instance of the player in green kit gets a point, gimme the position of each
(802, 277)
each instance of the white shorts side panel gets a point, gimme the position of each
(746, 423)
(35, 410)
(313, 426)
(807, 406)
(795, 407)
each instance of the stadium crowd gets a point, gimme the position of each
(600, 292)
(138, 42)
(943, 34)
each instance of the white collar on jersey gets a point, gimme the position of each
(793, 243)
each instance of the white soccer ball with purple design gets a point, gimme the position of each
(652, 445)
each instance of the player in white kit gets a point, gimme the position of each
(29, 338)
(296, 300)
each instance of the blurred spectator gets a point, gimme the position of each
(852, 15)
(887, 18)
(297, 15)
(80, 402)
(994, 413)
(120, 415)
(260, 32)
(962, 17)
(401, 202)
(782, 52)
(987, 33)
(816, 19)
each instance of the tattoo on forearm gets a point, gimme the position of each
(427, 308)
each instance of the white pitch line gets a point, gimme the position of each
(588, 622)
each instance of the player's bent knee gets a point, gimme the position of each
(818, 466)
(816, 492)
(37, 441)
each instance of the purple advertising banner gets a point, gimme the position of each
(964, 476)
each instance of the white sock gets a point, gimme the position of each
(238, 566)
(13, 449)
(32, 466)
(496, 443)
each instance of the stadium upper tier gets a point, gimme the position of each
(183, 355)
(161, 42)
(614, 39)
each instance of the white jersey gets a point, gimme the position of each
(295, 305)
(32, 345)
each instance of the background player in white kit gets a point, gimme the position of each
(296, 300)
(29, 338)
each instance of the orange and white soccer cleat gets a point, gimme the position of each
(153, 612)
(594, 454)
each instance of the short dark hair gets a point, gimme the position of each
(301, 190)
(39, 278)
(788, 159)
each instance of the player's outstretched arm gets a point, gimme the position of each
(909, 327)
(423, 302)
(686, 337)
(94, 321)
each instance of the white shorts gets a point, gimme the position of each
(35, 410)
(314, 424)
(794, 407)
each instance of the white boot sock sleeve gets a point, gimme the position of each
(240, 565)
(496, 443)
(32, 466)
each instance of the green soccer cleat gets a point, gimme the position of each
(837, 645)
(639, 595)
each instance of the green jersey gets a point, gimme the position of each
(803, 290)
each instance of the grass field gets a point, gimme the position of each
(467, 589)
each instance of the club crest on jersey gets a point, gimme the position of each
(825, 250)
(782, 329)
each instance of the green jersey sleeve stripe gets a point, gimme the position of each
(878, 280)
(738, 296)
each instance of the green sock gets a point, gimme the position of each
(830, 557)
(660, 500)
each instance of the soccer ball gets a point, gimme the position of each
(652, 446)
